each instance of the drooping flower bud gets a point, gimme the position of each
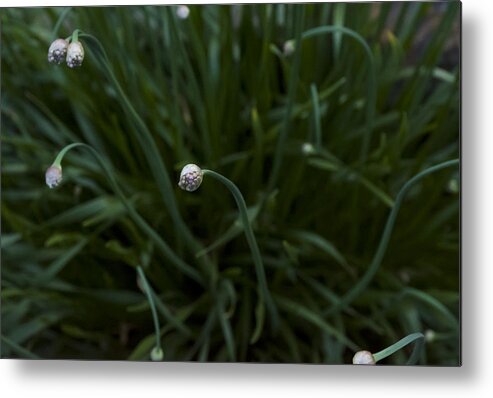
(53, 176)
(182, 12)
(190, 177)
(57, 51)
(364, 358)
(75, 54)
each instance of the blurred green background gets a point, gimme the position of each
(222, 89)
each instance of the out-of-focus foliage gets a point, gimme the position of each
(221, 89)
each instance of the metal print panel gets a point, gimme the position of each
(273, 183)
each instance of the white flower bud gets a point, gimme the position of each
(289, 47)
(182, 12)
(363, 358)
(157, 354)
(57, 51)
(430, 336)
(190, 177)
(307, 148)
(75, 54)
(53, 176)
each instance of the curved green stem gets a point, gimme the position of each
(360, 286)
(432, 303)
(75, 35)
(252, 242)
(372, 81)
(149, 147)
(165, 249)
(148, 293)
(419, 340)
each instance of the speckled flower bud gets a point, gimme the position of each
(363, 358)
(53, 176)
(57, 51)
(190, 177)
(182, 12)
(75, 54)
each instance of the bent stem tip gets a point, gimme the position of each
(417, 338)
(190, 179)
(157, 352)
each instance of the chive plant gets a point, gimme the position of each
(335, 127)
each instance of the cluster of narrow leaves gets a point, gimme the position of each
(319, 113)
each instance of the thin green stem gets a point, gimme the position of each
(252, 242)
(316, 115)
(329, 162)
(178, 47)
(165, 249)
(226, 328)
(360, 286)
(75, 35)
(372, 79)
(61, 18)
(148, 293)
(293, 85)
(149, 147)
(419, 340)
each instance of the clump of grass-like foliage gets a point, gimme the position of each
(334, 126)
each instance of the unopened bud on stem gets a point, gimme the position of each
(75, 54)
(364, 358)
(57, 51)
(53, 176)
(190, 177)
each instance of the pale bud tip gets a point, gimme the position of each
(182, 12)
(157, 354)
(57, 51)
(289, 47)
(75, 54)
(364, 358)
(190, 177)
(53, 176)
